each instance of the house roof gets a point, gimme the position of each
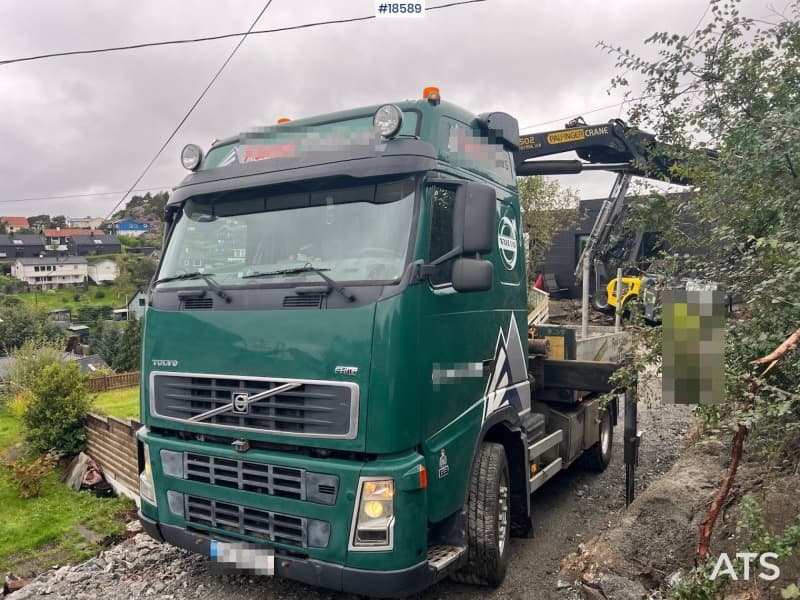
(18, 222)
(66, 232)
(27, 239)
(53, 260)
(88, 364)
(95, 240)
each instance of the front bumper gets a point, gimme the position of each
(378, 584)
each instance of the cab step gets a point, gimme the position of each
(544, 444)
(545, 474)
(440, 555)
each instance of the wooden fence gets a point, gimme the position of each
(112, 443)
(116, 381)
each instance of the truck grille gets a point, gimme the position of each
(254, 522)
(312, 409)
(262, 478)
(248, 476)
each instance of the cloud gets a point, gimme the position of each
(91, 123)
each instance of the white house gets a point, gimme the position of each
(103, 271)
(86, 222)
(50, 273)
(137, 305)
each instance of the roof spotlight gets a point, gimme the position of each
(191, 156)
(388, 120)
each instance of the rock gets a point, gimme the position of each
(76, 576)
(133, 527)
(619, 588)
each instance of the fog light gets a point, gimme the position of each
(374, 509)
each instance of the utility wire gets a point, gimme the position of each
(212, 37)
(83, 195)
(191, 108)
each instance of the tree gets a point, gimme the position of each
(546, 210)
(135, 271)
(106, 342)
(733, 85)
(20, 322)
(59, 221)
(40, 222)
(128, 355)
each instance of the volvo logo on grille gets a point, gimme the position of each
(241, 403)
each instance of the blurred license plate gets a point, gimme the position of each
(254, 558)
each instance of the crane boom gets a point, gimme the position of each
(611, 146)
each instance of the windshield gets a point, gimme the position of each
(353, 234)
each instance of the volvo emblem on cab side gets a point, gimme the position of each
(241, 403)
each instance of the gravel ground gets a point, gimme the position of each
(568, 510)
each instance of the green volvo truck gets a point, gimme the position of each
(339, 384)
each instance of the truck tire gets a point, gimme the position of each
(598, 457)
(488, 518)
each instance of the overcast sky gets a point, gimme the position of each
(90, 124)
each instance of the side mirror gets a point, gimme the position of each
(472, 275)
(475, 216)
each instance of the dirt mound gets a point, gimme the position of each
(657, 534)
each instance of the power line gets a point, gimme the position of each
(211, 37)
(585, 112)
(191, 108)
(83, 195)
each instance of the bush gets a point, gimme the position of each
(54, 417)
(29, 475)
(99, 294)
(28, 362)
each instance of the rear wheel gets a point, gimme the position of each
(598, 456)
(488, 518)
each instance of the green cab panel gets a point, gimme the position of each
(280, 344)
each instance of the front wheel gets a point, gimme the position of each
(600, 301)
(488, 518)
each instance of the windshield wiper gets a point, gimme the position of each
(198, 275)
(305, 269)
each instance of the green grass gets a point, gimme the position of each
(122, 404)
(9, 430)
(64, 298)
(37, 533)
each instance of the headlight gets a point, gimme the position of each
(191, 155)
(147, 489)
(374, 518)
(388, 120)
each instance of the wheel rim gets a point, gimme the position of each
(605, 435)
(502, 514)
(601, 300)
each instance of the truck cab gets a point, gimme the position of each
(336, 368)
